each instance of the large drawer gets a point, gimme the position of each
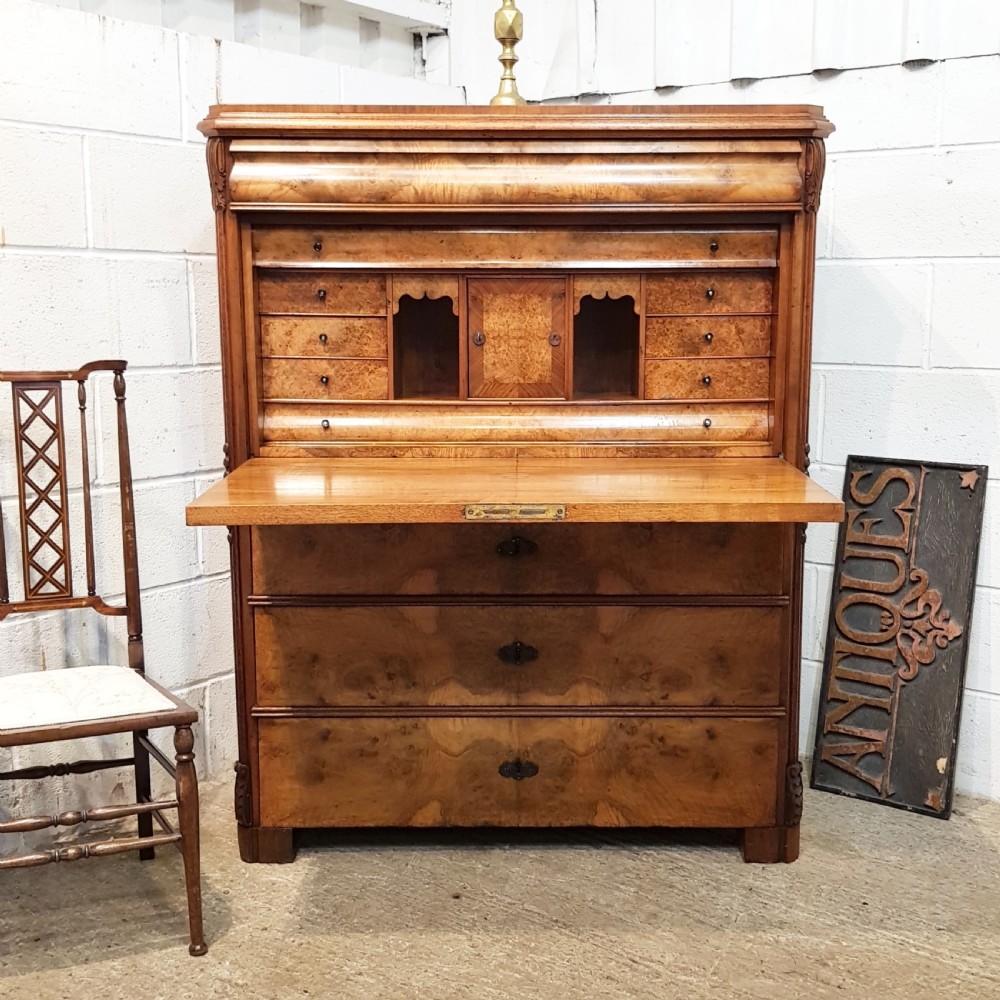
(518, 655)
(567, 559)
(445, 771)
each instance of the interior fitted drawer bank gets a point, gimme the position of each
(433, 654)
(567, 559)
(516, 408)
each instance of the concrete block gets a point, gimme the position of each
(967, 28)
(983, 669)
(687, 53)
(817, 409)
(965, 293)
(63, 67)
(249, 75)
(365, 86)
(175, 424)
(221, 749)
(213, 543)
(150, 196)
(852, 33)
(199, 71)
(988, 569)
(204, 285)
(891, 107)
(271, 24)
(61, 311)
(626, 46)
(869, 313)
(978, 770)
(773, 39)
(168, 549)
(209, 19)
(42, 189)
(821, 539)
(917, 205)
(965, 115)
(931, 416)
(192, 637)
(811, 679)
(818, 587)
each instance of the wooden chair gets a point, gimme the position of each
(47, 706)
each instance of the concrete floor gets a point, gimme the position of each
(881, 905)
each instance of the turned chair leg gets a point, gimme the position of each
(187, 817)
(143, 793)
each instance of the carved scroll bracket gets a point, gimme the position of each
(814, 165)
(793, 794)
(217, 154)
(241, 796)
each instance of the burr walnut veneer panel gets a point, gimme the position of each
(516, 411)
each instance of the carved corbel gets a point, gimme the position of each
(217, 154)
(814, 157)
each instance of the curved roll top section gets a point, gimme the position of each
(332, 177)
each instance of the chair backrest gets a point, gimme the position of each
(42, 474)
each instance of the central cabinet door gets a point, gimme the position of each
(517, 338)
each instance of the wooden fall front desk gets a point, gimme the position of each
(516, 408)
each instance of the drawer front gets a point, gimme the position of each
(539, 655)
(445, 771)
(710, 379)
(323, 337)
(710, 292)
(584, 559)
(461, 249)
(321, 292)
(710, 336)
(303, 378)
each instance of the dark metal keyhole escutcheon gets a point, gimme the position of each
(517, 653)
(516, 546)
(518, 770)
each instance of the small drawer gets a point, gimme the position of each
(711, 336)
(326, 337)
(569, 559)
(321, 292)
(710, 292)
(708, 379)
(303, 378)
(456, 655)
(460, 771)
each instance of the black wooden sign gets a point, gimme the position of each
(899, 632)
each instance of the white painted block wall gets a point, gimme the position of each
(108, 251)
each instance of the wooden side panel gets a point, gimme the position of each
(302, 378)
(580, 559)
(445, 771)
(709, 379)
(517, 338)
(517, 655)
(709, 336)
(321, 292)
(742, 292)
(323, 337)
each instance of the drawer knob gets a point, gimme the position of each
(706, 380)
(321, 294)
(517, 770)
(325, 424)
(554, 339)
(709, 338)
(318, 245)
(706, 423)
(516, 546)
(323, 338)
(479, 338)
(517, 652)
(710, 294)
(714, 246)
(325, 379)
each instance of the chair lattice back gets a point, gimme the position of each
(41, 471)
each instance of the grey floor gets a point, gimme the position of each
(881, 904)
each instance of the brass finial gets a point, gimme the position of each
(509, 29)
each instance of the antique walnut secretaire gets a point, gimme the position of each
(516, 409)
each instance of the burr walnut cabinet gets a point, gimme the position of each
(516, 409)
